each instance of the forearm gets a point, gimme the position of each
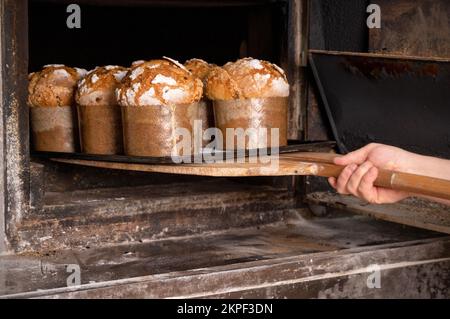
(433, 167)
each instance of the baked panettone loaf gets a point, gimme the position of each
(99, 85)
(51, 99)
(246, 78)
(99, 115)
(54, 85)
(159, 82)
(199, 68)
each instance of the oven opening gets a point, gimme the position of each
(98, 200)
(80, 206)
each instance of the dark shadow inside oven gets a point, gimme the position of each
(119, 35)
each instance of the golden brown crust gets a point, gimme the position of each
(220, 85)
(53, 86)
(246, 78)
(199, 68)
(99, 85)
(159, 82)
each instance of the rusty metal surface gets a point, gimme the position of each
(401, 101)
(412, 212)
(295, 46)
(98, 217)
(406, 28)
(15, 156)
(408, 270)
(399, 281)
(66, 178)
(317, 128)
(239, 261)
(338, 25)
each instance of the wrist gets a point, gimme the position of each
(410, 163)
(430, 166)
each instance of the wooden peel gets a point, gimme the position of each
(299, 163)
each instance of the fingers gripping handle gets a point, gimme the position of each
(412, 183)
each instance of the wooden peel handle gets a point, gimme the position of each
(417, 184)
(412, 183)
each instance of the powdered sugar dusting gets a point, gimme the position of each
(131, 95)
(279, 87)
(163, 85)
(61, 73)
(136, 87)
(118, 94)
(110, 67)
(120, 75)
(136, 72)
(164, 79)
(174, 95)
(255, 64)
(94, 78)
(149, 98)
(138, 62)
(82, 87)
(81, 72)
(261, 79)
(153, 66)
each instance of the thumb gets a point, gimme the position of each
(356, 157)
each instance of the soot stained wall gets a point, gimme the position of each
(339, 25)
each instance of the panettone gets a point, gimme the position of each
(99, 85)
(246, 78)
(159, 82)
(54, 85)
(99, 115)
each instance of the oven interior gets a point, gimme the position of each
(227, 237)
(118, 34)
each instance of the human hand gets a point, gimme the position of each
(361, 171)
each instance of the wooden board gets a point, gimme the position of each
(413, 27)
(290, 164)
(287, 165)
(324, 146)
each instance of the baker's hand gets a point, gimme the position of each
(361, 170)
